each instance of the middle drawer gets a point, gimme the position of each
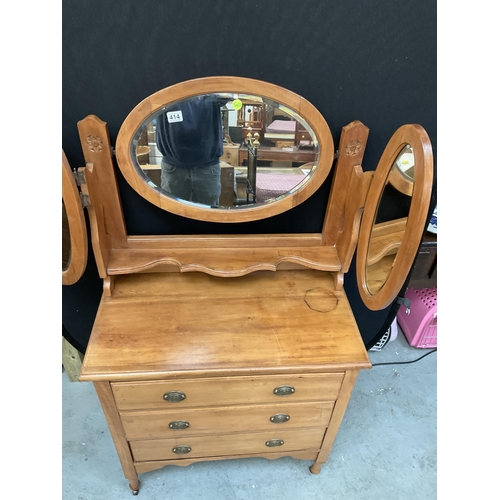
(222, 420)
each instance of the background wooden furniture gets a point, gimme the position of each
(252, 117)
(302, 137)
(231, 155)
(268, 153)
(424, 274)
(72, 360)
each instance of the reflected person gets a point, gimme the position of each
(189, 136)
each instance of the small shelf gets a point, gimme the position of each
(229, 262)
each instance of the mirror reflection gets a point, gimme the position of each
(405, 162)
(390, 222)
(226, 150)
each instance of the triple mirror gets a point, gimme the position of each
(232, 150)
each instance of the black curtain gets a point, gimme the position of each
(363, 60)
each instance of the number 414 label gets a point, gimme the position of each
(174, 116)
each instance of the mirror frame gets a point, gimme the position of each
(77, 228)
(208, 85)
(417, 137)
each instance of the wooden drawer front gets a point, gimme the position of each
(163, 423)
(226, 391)
(228, 444)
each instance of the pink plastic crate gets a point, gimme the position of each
(420, 326)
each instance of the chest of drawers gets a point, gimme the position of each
(195, 367)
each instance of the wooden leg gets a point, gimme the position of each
(336, 419)
(105, 395)
(315, 468)
(134, 486)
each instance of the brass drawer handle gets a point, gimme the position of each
(280, 418)
(174, 396)
(275, 442)
(178, 424)
(181, 450)
(284, 390)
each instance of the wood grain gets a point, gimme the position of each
(193, 323)
(352, 146)
(337, 416)
(227, 391)
(224, 419)
(184, 462)
(101, 243)
(228, 444)
(356, 197)
(96, 147)
(226, 262)
(113, 419)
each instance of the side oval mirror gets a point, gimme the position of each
(388, 245)
(75, 258)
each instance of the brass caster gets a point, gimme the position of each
(136, 491)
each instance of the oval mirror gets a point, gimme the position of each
(225, 149)
(394, 217)
(74, 231)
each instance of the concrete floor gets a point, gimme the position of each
(385, 448)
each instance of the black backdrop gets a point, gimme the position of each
(353, 60)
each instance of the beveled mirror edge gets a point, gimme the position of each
(415, 135)
(219, 84)
(77, 228)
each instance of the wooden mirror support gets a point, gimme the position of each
(220, 346)
(118, 253)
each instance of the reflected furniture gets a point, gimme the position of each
(424, 273)
(252, 117)
(281, 132)
(268, 153)
(274, 185)
(221, 346)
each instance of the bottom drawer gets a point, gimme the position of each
(227, 444)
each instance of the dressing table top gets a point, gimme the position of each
(194, 324)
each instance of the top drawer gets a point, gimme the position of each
(226, 391)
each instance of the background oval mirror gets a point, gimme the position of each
(225, 149)
(395, 214)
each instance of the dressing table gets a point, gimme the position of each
(221, 346)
